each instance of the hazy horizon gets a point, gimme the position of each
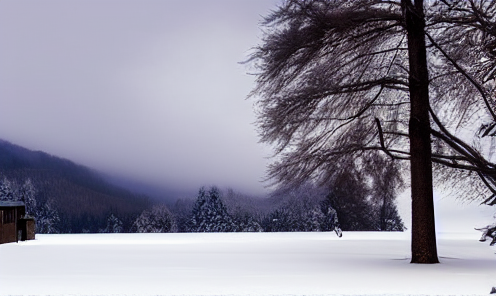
(150, 90)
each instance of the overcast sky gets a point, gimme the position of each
(147, 88)
(151, 89)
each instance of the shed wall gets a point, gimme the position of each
(8, 233)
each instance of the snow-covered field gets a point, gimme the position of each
(359, 263)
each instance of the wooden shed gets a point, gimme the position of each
(14, 226)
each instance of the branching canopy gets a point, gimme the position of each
(332, 85)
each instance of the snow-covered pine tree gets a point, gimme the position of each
(182, 213)
(289, 220)
(210, 214)
(6, 190)
(114, 225)
(245, 211)
(27, 194)
(314, 218)
(278, 221)
(389, 218)
(47, 218)
(157, 220)
(300, 210)
(246, 223)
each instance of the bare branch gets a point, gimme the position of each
(464, 73)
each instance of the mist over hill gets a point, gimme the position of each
(88, 201)
(83, 197)
(158, 193)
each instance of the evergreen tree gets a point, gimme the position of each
(246, 223)
(299, 209)
(182, 212)
(384, 179)
(389, 219)
(285, 219)
(210, 214)
(27, 194)
(361, 206)
(114, 225)
(6, 190)
(47, 219)
(246, 211)
(278, 221)
(314, 219)
(157, 220)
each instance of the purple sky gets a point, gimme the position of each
(147, 88)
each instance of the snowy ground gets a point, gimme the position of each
(243, 264)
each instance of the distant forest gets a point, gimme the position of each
(68, 198)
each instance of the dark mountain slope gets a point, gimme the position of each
(82, 197)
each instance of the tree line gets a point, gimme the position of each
(60, 206)
(306, 208)
(303, 209)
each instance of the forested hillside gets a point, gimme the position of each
(82, 199)
(65, 197)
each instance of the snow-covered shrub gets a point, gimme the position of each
(299, 210)
(159, 219)
(278, 221)
(246, 223)
(114, 225)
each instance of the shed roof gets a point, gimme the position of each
(6, 204)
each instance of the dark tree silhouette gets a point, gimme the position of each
(209, 213)
(359, 81)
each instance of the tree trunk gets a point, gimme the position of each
(424, 248)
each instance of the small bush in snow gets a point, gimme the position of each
(158, 219)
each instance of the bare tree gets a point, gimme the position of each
(357, 81)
